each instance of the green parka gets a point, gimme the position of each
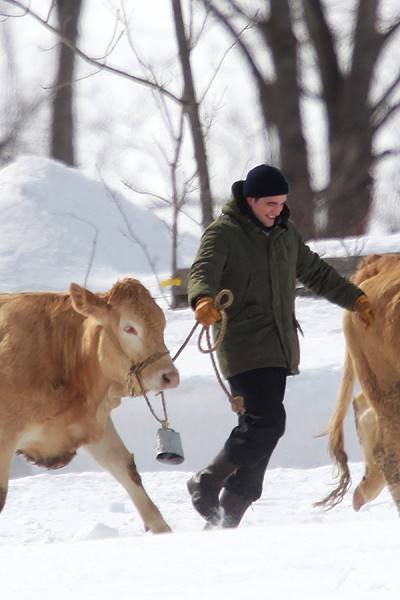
(261, 269)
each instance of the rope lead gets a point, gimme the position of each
(223, 300)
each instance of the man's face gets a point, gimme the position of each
(266, 209)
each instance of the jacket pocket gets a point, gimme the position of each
(256, 301)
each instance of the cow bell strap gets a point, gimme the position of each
(135, 372)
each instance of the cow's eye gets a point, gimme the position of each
(130, 329)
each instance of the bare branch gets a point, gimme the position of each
(162, 150)
(387, 154)
(221, 61)
(194, 39)
(161, 198)
(386, 95)
(102, 65)
(132, 236)
(239, 11)
(144, 192)
(67, 83)
(391, 31)
(51, 7)
(165, 113)
(94, 243)
(379, 121)
(208, 5)
(112, 44)
(148, 70)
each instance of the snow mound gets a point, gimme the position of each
(96, 531)
(60, 226)
(118, 507)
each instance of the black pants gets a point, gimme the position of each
(251, 443)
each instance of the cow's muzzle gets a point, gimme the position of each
(168, 377)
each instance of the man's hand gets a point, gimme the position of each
(205, 312)
(364, 309)
(237, 404)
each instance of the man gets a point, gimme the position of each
(254, 250)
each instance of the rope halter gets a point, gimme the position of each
(135, 371)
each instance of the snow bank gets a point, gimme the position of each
(59, 226)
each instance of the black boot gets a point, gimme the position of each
(233, 508)
(205, 486)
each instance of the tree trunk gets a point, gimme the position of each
(284, 111)
(192, 110)
(348, 197)
(62, 129)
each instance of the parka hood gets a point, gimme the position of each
(238, 207)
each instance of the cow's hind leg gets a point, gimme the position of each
(388, 455)
(111, 453)
(373, 481)
(7, 451)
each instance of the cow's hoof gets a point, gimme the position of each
(157, 527)
(358, 500)
(3, 494)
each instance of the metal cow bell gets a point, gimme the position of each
(169, 447)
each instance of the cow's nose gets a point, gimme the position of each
(170, 379)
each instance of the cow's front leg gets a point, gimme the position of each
(111, 453)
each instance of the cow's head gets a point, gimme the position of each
(134, 325)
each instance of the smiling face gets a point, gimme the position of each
(267, 208)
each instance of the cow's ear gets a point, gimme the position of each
(88, 304)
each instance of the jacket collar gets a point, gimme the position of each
(241, 211)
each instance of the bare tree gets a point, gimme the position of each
(62, 128)
(16, 110)
(187, 100)
(182, 187)
(353, 118)
(131, 235)
(345, 93)
(193, 111)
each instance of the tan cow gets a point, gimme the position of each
(373, 358)
(64, 365)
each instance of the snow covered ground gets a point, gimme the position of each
(75, 534)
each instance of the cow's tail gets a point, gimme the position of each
(336, 437)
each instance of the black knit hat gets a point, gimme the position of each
(265, 180)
